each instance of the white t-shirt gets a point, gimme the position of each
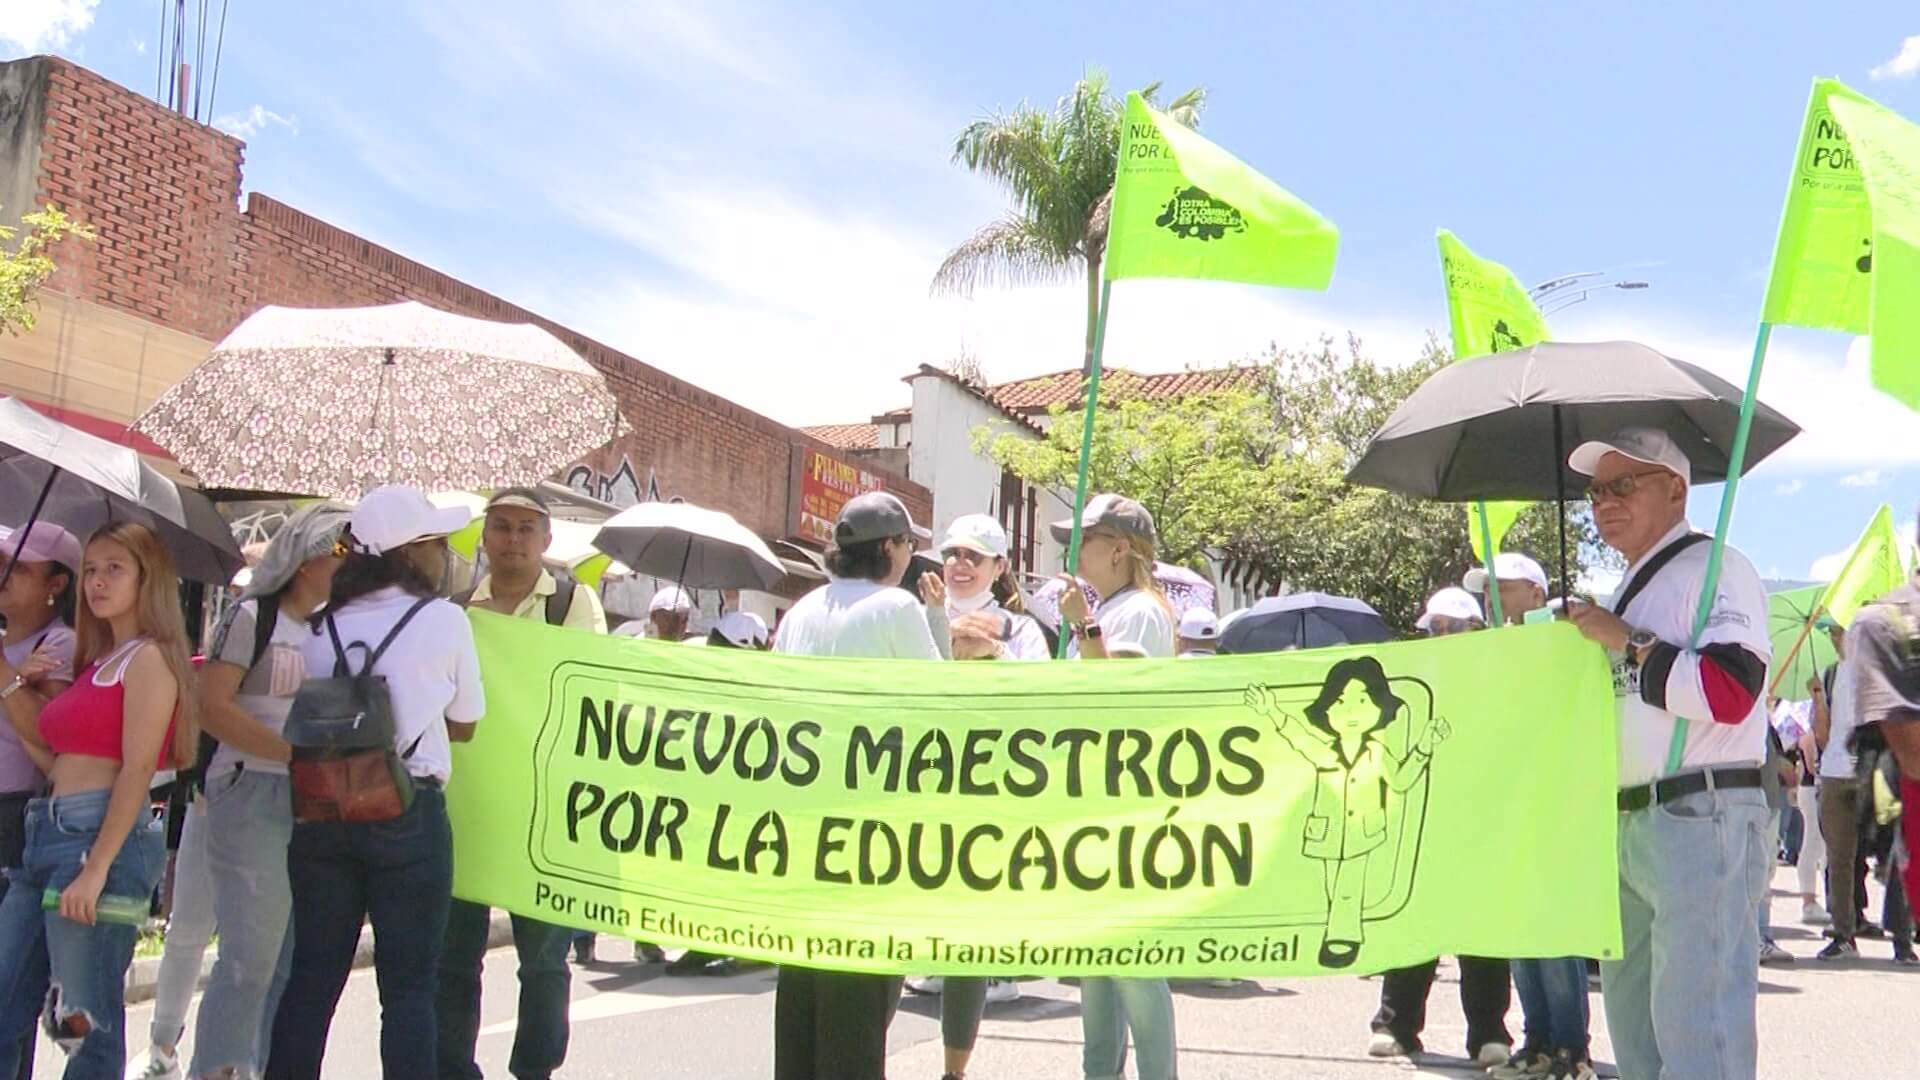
(1135, 618)
(432, 671)
(1843, 713)
(267, 689)
(857, 618)
(1666, 608)
(17, 772)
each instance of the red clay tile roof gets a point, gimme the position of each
(1036, 394)
(847, 436)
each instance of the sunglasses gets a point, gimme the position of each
(1620, 487)
(966, 555)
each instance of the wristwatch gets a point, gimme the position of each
(1091, 631)
(13, 686)
(1638, 643)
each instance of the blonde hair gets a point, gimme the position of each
(1140, 556)
(157, 614)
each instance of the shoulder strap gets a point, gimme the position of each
(340, 665)
(266, 617)
(1645, 575)
(561, 602)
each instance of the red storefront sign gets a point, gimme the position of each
(825, 486)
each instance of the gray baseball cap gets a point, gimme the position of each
(876, 515)
(1116, 512)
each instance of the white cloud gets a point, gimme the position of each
(1865, 478)
(245, 125)
(1905, 63)
(1790, 488)
(37, 26)
(1827, 567)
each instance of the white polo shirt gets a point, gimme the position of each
(432, 670)
(1843, 715)
(1135, 618)
(848, 617)
(1666, 607)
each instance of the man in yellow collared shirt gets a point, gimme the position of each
(518, 529)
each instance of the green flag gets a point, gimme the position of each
(1874, 568)
(1848, 257)
(1143, 819)
(1184, 208)
(1490, 312)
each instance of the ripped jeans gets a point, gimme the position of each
(88, 964)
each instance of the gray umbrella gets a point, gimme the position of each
(689, 545)
(1500, 426)
(1304, 621)
(50, 471)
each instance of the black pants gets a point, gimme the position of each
(540, 1033)
(1486, 990)
(832, 1025)
(13, 843)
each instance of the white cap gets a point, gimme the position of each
(396, 515)
(1452, 602)
(1199, 624)
(671, 598)
(976, 532)
(1648, 445)
(632, 628)
(743, 628)
(1507, 566)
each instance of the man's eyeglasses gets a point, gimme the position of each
(965, 555)
(1620, 487)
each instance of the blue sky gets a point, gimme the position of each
(753, 197)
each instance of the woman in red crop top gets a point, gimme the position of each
(128, 710)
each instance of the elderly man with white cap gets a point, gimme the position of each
(1693, 848)
(1522, 584)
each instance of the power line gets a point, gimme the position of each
(219, 45)
(160, 56)
(200, 59)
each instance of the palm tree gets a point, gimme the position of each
(1058, 166)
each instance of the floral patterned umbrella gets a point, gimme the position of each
(335, 401)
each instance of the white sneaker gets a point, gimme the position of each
(160, 1066)
(1001, 991)
(1384, 1045)
(929, 984)
(1812, 914)
(1523, 1067)
(1771, 953)
(1493, 1054)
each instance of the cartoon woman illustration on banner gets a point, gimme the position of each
(1342, 737)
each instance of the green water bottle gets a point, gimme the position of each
(125, 910)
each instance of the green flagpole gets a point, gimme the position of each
(1086, 447)
(1486, 545)
(1736, 457)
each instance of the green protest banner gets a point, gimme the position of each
(1848, 257)
(1489, 312)
(1333, 810)
(1185, 208)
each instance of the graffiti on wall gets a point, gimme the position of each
(618, 486)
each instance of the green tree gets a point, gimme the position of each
(1257, 474)
(1058, 166)
(28, 266)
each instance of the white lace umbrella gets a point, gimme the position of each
(335, 401)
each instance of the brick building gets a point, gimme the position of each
(178, 263)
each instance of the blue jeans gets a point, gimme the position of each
(87, 964)
(1680, 1001)
(399, 875)
(540, 1035)
(1108, 1009)
(248, 827)
(1553, 1001)
(190, 930)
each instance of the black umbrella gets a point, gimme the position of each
(1304, 621)
(1500, 426)
(50, 471)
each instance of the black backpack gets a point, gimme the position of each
(558, 605)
